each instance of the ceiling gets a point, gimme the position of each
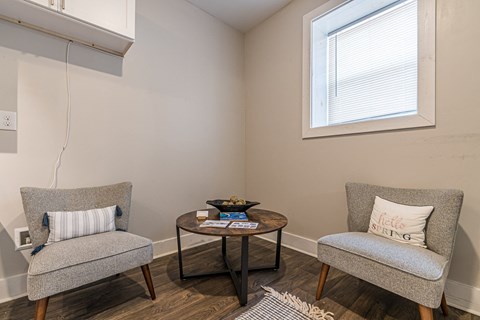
(242, 15)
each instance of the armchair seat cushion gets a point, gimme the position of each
(406, 270)
(417, 261)
(72, 263)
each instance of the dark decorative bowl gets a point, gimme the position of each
(231, 208)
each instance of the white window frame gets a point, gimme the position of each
(425, 116)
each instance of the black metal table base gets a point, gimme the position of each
(240, 283)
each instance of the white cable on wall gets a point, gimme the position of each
(67, 130)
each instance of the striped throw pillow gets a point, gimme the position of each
(65, 225)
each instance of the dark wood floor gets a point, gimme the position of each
(126, 296)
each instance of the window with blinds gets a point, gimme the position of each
(372, 66)
(368, 65)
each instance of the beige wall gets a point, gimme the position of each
(161, 116)
(169, 117)
(8, 100)
(305, 178)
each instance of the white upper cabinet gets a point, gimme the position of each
(52, 4)
(107, 25)
(113, 15)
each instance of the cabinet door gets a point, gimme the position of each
(51, 4)
(114, 15)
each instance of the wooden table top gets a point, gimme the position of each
(268, 221)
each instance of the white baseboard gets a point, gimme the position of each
(165, 247)
(13, 287)
(292, 241)
(458, 295)
(463, 297)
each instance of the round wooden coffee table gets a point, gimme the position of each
(268, 221)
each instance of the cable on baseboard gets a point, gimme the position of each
(67, 129)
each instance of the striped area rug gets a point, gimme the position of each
(282, 306)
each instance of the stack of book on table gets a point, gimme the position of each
(239, 221)
(233, 216)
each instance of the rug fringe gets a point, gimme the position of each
(314, 312)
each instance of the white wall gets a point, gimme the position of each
(305, 178)
(169, 117)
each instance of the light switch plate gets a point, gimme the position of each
(8, 120)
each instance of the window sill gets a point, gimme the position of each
(406, 122)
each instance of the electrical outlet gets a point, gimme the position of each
(8, 120)
(22, 239)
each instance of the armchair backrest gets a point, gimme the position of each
(37, 201)
(441, 225)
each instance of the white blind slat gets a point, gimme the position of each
(372, 67)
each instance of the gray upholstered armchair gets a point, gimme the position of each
(69, 264)
(412, 272)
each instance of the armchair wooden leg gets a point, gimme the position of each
(426, 313)
(322, 279)
(41, 308)
(148, 280)
(444, 306)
